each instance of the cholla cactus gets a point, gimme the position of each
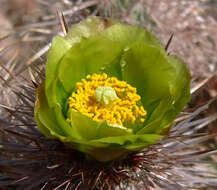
(104, 111)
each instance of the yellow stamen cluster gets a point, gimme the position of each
(122, 111)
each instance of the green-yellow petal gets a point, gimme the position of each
(127, 35)
(94, 55)
(58, 49)
(91, 130)
(157, 78)
(90, 27)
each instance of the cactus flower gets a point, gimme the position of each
(110, 89)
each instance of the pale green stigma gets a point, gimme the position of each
(105, 94)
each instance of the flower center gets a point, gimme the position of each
(106, 98)
(105, 94)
